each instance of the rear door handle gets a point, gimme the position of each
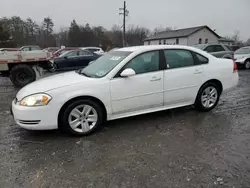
(154, 79)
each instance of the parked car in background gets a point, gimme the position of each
(51, 49)
(122, 83)
(29, 48)
(63, 50)
(95, 50)
(234, 47)
(217, 50)
(72, 60)
(8, 49)
(242, 57)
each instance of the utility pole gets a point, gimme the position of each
(124, 13)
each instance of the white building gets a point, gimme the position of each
(188, 36)
(226, 41)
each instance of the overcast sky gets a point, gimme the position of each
(226, 16)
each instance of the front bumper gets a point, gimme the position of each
(240, 61)
(35, 118)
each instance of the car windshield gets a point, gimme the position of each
(104, 64)
(66, 53)
(243, 51)
(200, 46)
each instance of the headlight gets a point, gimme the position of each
(36, 100)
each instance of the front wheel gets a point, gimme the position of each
(247, 64)
(52, 67)
(208, 97)
(82, 117)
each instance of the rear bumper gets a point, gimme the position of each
(231, 83)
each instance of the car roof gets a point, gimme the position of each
(90, 47)
(153, 47)
(246, 47)
(146, 48)
(30, 46)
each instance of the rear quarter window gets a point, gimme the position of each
(201, 59)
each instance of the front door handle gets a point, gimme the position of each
(197, 72)
(154, 79)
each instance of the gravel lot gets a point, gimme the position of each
(178, 148)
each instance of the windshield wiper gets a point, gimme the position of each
(81, 73)
(84, 74)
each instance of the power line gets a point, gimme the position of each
(124, 13)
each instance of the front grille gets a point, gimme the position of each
(29, 122)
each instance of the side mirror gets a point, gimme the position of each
(128, 73)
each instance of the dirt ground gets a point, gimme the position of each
(178, 148)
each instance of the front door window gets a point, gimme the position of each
(147, 62)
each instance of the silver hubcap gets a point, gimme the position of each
(209, 97)
(83, 118)
(247, 65)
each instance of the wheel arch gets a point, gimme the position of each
(248, 59)
(95, 99)
(215, 81)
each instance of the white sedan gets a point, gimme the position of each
(122, 83)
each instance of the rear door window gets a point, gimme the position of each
(218, 48)
(178, 58)
(84, 53)
(210, 49)
(35, 48)
(93, 50)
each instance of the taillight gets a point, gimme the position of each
(235, 67)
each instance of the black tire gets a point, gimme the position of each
(247, 64)
(198, 102)
(21, 75)
(65, 116)
(52, 67)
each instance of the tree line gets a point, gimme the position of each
(16, 32)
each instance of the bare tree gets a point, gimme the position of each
(31, 31)
(135, 35)
(47, 26)
(5, 38)
(247, 43)
(75, 37)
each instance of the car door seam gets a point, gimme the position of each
(141, 95)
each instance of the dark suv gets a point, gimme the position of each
(217, 50)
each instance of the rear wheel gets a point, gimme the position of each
(208, 97)
(21, 75)
(82, 117)
(247, 64)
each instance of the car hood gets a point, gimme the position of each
(241, 56)
(51, 83)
